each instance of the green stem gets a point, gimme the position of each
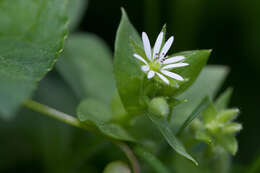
(68, 119)
(53, 113)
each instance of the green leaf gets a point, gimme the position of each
(32, 35)
(165, 128)
(207, 84)
(196, 112)
(128, 75)
(98, 115)
(76, 10)
(151, 159)
(118, 110)
(223, 100)
(196, 60)
(87, 67)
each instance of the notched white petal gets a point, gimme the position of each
(171, 66)
(150, 74)
(157, 45)
(147, 45)
(166, 46)
(140, 58)
(164, 79)
(172, 75)
(145, 68)
(173, 59)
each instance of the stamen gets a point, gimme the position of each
(157, 56)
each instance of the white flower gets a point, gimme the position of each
(158, 63)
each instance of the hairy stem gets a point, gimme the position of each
(68, 119)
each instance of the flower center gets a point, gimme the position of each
(155, 65)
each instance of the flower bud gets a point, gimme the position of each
(117, 167)
(159, 107)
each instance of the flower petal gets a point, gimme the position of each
(171, 66)
(147, 46)
(145, 68)
(166, 47)
(173, 59)
(172, 75)
(157, 45)
(150, 74)
(163, 78)
(140, 58)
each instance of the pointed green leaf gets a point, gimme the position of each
(87, 67)
(165, 128)
(98, 115)
(128, 75)
(229, 142)
(196, 60)
(151, 159)
(223, 100)
(196, 112)
(227, 115)
(32, 34)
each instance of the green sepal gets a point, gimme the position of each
(232, 128)
(204, 136)
(209, 114)
(227, 115)
(228, 142)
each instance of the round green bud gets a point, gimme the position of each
(159, 107)
(117, 167)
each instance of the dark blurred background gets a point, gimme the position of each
(231, 28)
